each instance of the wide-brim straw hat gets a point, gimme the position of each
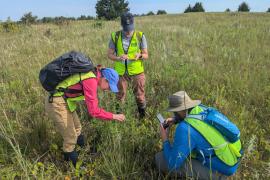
(180, 101)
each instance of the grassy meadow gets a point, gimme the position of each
(221, 58)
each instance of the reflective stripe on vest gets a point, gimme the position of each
(72, 80)
(227, 152)
(133, 66)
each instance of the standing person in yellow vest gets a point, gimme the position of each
(199, 150)
(61, 105)
(128, 49)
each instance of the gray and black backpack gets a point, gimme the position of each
(62, 67)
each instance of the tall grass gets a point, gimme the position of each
(220, 58)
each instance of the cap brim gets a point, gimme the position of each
(187, 106)
(129, 27)
(114, 88)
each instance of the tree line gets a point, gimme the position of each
(112, 9)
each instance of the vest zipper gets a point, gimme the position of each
(126, 52)
(126, 68)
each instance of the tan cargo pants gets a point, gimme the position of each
(137, 83)
(67, 123)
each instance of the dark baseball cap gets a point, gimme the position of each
(127, 21)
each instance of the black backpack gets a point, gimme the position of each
(62, 67)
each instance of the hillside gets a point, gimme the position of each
(219, 58)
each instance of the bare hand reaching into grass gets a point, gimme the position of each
(119, 117)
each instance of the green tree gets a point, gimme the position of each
(268, 10)
(83, 17)
(243, 7)
(47, 20)
(28, 18)
(198, 7)
(150, 13)
(188, 9)
(227, 10)
(159, 12)
(111, 9)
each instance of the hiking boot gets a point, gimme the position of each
(80, 140)
(141, 112)
(71, 156)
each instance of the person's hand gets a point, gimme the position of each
(169, 121)
(119, 117)
(138, 56)
(163, 133)
(123, 57)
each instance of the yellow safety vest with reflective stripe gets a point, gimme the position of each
(131, 66)
(70, 81)
(227, 152)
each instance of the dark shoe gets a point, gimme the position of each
(80, 140)
(141, 112)
(71, 156)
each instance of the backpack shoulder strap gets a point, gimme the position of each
(202, 115)
(196, 116)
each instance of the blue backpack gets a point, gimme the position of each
(213, 117)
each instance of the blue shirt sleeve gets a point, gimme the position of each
(182, 146)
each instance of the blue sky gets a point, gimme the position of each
(15, 9)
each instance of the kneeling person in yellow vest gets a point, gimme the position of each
(199, 150)
(63, 105)
(128, 49)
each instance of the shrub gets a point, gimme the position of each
(83, 17)
(98, 25)
(10, 26)
(159, 12)
(28, 19)
(48, 33)
(61, 21)
(47, 20)
(151, 13)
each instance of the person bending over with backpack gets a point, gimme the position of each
(61, 104)
(199, 150)
(128, 50)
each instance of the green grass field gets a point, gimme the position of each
(220, 58)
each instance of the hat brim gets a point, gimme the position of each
(189, 105)
(114, 88)
(129, 27)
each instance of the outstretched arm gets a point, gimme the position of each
(177, 153)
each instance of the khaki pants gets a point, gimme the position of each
(138, 83)
(67, 123)
(190, 169)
